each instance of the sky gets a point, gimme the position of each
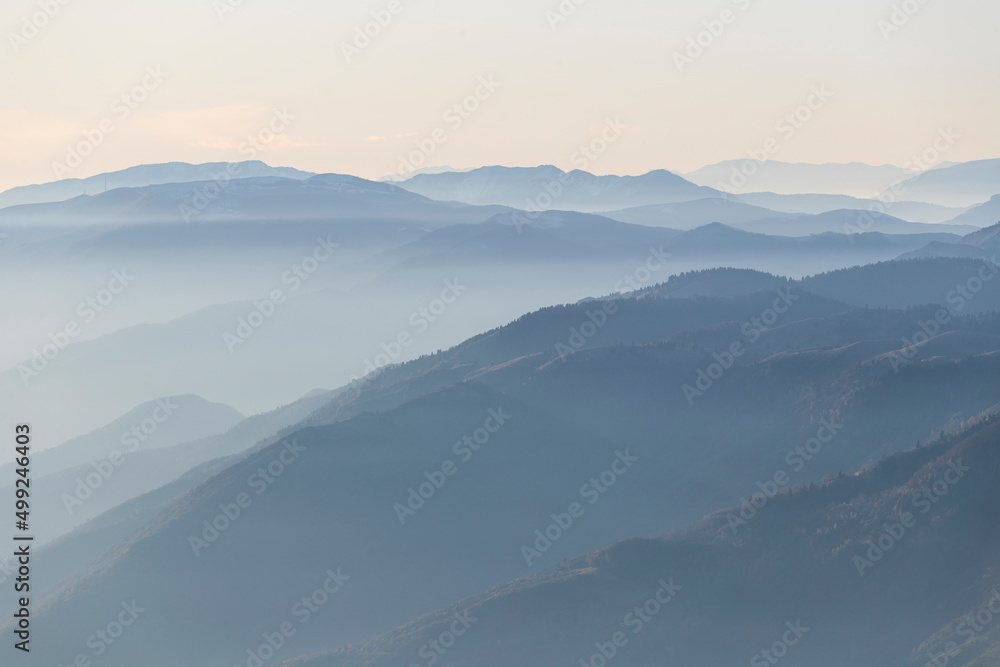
(98, 85)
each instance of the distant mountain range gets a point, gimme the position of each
(547, 187)
(141, 176)
(687, 215)
(854, 179)
(393, 178)
(779, 187)
(815, 203)
(328, 196)
(966, 184)
(982, 244)
(695, 213)
(986, 214)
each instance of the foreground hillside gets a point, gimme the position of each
(891, 566)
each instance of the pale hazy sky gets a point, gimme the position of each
(609, 59)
